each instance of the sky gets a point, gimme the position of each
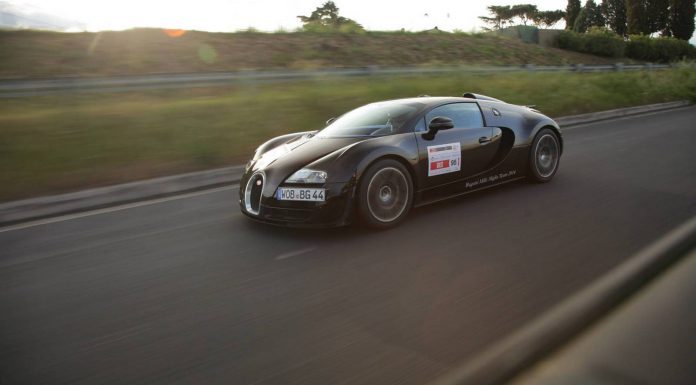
(264, 15)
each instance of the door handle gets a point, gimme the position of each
(484, 140)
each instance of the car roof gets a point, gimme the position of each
(429, 100)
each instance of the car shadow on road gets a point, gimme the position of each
(418, 218)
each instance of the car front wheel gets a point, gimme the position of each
(385, 194)
(544, 156)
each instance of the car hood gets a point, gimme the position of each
(280, 162)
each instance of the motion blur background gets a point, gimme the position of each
(185, 290)
(57, 140)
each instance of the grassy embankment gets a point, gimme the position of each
(61, 143)
(33, 54)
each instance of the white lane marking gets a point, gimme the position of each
(127, 206)
(295, 253)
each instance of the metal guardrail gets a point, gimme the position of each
(23, 88)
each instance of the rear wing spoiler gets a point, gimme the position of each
(471, 95)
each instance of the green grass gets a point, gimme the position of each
(67, 142)
(35, 54)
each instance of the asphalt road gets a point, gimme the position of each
(188, 291)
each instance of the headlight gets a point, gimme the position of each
(307, 176)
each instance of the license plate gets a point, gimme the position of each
(300, 194)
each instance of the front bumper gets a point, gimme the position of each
(336, 210)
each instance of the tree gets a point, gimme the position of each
(572, 13)
(649, 16)
(595, 18)
(548, 19)
(657, 15)
(590, 16)
(501, 15)
(326, 17)
(581, 24)
(681, 18)
(636, 19)
(525, 12)
(615, 16)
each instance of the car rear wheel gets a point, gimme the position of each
(544, 156)
(385, 194)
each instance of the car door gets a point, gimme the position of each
(457, 153)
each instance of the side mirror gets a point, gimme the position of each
(439, 123)
(331, 121)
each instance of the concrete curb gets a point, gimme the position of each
(85, 200)
(54, 205)
(555, 327)
(574, 120)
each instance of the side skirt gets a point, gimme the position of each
(444, 198)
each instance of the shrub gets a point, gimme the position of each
(345, 28)
(571, 41)
(598, 41)
(601, 42)
(639, 47)
(662, 49)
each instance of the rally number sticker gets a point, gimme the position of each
(444, 158)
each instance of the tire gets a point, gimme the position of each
(544, 156)
(385, 194)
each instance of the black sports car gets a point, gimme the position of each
(379, 160)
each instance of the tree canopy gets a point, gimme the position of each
(548, 18)
(681, 18)
(504, 15)
(590, 16)
(572, 13)
(657, 15)
(501, 15)
(326, 17)
(524, 12)
(668, 17)
(614, 12)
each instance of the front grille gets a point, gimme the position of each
(252, 193)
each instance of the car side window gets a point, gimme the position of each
(464, 115)
(420, 126)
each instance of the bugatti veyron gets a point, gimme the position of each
(376, 162)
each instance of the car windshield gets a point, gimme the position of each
(376, 119)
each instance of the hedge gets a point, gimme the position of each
(595, 42)
(663, 49)
(602, 42)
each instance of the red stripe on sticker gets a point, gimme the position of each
(439, 164)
